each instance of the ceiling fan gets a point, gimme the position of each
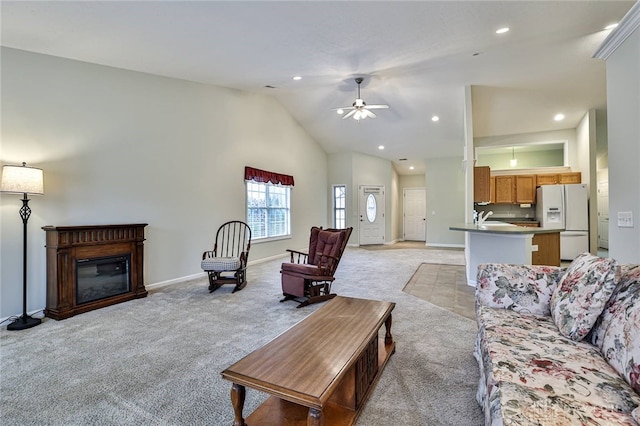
(359, 110)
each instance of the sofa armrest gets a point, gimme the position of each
(525, 289)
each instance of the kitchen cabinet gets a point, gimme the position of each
(572, 177)
(505, 189)
(481, 184)
(529, 224)
(548, 252)
(492, 189)
(525, 189)
(547, 179)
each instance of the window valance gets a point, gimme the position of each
(264, 176)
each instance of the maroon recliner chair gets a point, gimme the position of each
(307, 278)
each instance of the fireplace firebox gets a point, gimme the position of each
(90, 267)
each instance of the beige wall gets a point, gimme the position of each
(623, 104)
(124, 147)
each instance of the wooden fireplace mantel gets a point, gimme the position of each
(67, 244)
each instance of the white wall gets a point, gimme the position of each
(623, 117)
(445, 201)
(586, 136)
(124, 147)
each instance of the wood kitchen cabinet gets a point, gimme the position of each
(481, 184)
(548, 252)
(547, 179)
(572, 177)
(525, 189)
(505, 189)
(492, 189)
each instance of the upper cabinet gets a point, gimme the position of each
(481, 184)
(574, 177)
(547, 179)
(505, 189)
(525, 189)
(558, 178)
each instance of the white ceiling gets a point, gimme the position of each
(418, 57)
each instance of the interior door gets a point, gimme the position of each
(371, 210)
(415, 214)
(603, 215)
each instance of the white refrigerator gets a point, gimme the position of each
(565, 207)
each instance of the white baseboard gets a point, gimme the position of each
(203, 274)
(445, 245)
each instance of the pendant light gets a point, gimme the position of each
(514, 161)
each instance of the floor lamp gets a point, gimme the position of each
(23, 180)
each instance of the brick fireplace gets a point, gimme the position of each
(90, 267)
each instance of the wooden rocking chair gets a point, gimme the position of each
(307, 278)
(227, 262)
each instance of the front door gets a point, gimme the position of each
(371, 211)
(415, 214)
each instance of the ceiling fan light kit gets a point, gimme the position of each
(359, 109)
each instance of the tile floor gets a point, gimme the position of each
(445, 286)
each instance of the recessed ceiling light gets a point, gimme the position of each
(611, 26)
(502, 30)
(435, 118)
(559, 117)
(411, 168)
(381, 147)
(297, 77)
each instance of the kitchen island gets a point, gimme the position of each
(500, 242)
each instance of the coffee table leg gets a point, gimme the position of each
(238, 393)
(315, 417)
(388, 338)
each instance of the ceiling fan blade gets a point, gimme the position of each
(369, 113)
(349, 114)
(380, 106)
(345, 108)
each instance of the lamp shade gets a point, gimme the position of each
(22, 180)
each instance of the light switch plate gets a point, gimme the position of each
(625, 219)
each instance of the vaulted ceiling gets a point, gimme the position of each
(417, 57)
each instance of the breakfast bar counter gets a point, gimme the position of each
(500, 242)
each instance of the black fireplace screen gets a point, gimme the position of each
(99, 278)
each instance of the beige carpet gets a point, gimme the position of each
(157, 361)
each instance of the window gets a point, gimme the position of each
(268, 210)
(339, 206)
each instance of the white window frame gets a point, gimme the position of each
(336, 208)
(286, 209)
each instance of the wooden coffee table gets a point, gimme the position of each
(322, 369)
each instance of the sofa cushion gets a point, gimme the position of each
(547, 367)
(582, 294)
(617, 331)
(522, 288)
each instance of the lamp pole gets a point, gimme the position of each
(25, 321)
(23, 180)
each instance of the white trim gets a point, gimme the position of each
(178, 280)
(445, 245)
(627, 25)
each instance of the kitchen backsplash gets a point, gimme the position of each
(507, 211)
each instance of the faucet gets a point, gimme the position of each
(484, 216)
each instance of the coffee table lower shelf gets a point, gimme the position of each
(276, 411)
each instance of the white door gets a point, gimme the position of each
(603, 214)
(371, 210)
(415, 214)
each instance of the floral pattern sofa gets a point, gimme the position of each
(559, 346)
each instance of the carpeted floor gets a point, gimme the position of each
(157, 360)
